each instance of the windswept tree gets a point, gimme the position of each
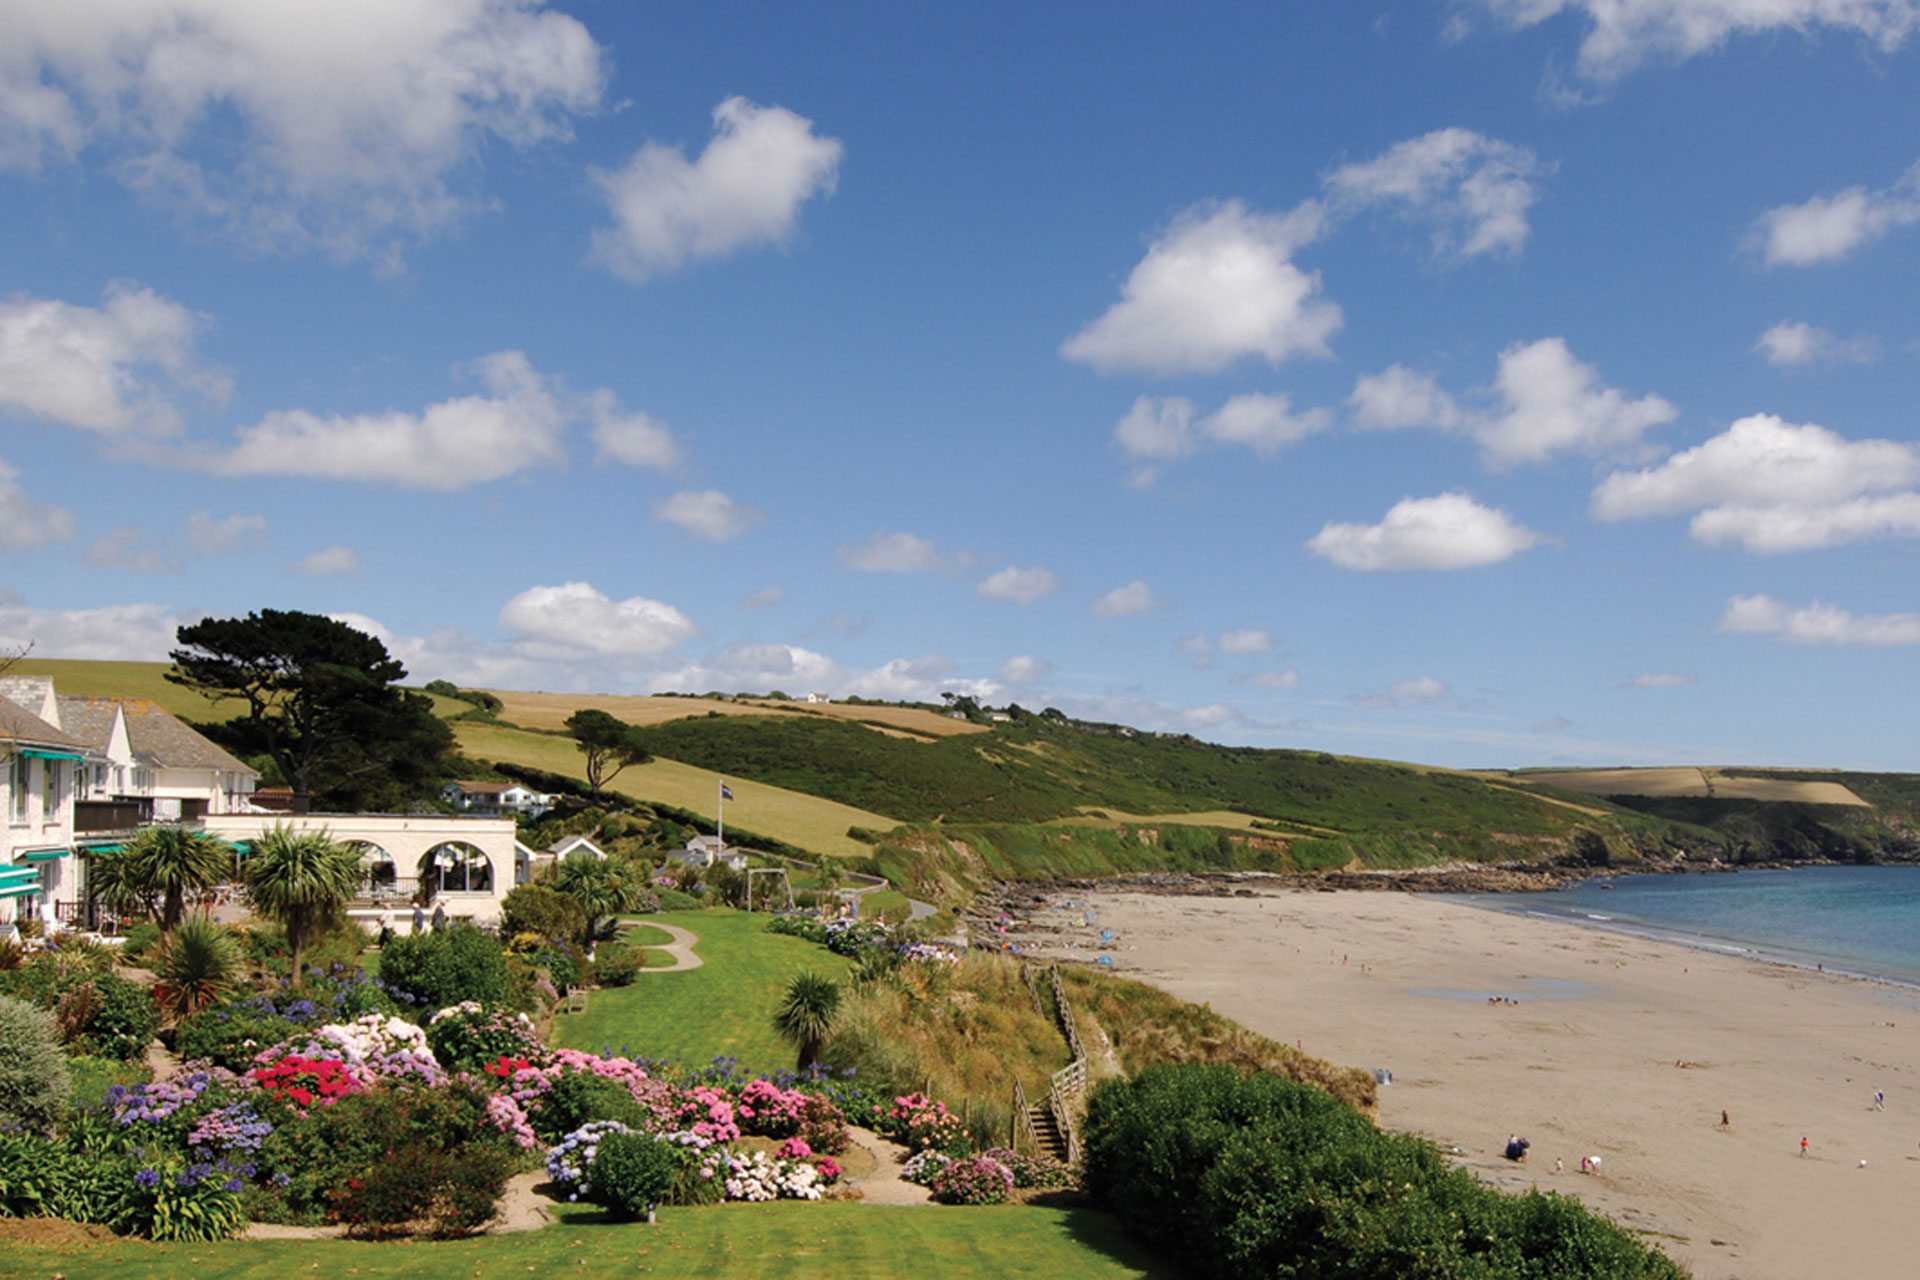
(156, 870)
(302, 881)
(322, 702)
(806, 1013)
(610, 744)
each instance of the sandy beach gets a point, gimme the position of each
(1589, 1061)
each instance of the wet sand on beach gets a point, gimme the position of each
(1587, 1062)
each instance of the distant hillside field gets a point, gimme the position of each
(1692, 781)
(799, 819)
(550, 711)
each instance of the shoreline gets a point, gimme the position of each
(1608, 1044)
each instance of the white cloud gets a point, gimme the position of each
(329, 562)
(764, 598)
(115, 633)
(1246, 640)
(763, 667)
(342, 125)
(1796, 343)
(1775, 486)
(1545, 402)
(113, 369)
(1022, 586)
(129, 549)
(708, 514)
(1475, 189)
(1023, 669)
(1281, 681)
(1623, 34)
(633, 438)
(745, 189)
(1817, 623)
(1165, 428)
(1774, 530)
(1218, 286)
(575, 617)
(891, 553)
(1264, 423)
(24, 522)
(1450, 531)
(1419, 691)
(1553, 403)
(209, 536)
(450, 445)
(1398, 397)
(1134, 597)
(1830, 228)
(1662, 680)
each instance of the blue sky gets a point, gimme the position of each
(1476, 382)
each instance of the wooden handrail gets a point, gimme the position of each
(1023, 1121)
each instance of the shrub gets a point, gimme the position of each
(1257, 1175)
(43, 1178)
(633, 1172)
(469, 1035)
(230, 1035)
(922, 1169)
(197, 968)
(974, 1180)
(141, 939)
(33, 1072)
(1041, 1173)
(616, 967)
(92, 1077)
(434, 970)
(542, 911)
(579, 1098)
(445, 1192)
(570, 1161)
(165, 1201)
(93, 1011)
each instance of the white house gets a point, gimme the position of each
(705, 851)
(150, 760)
(496, 797)
(38, 766)
(818, 697)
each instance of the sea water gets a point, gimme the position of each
(1860, 920)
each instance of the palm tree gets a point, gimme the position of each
(604, 887)
(197, 968)
(302, 880)
(158, 867)
(806, 1014)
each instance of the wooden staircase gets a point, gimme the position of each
(1048, 1126)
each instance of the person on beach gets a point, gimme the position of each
(1879, 1100)
(1803, 1146)
(1726, 1122)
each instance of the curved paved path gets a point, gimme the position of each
(679, 946)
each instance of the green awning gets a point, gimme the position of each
(34, 753)
(45, 855)
(101, 848)
(13, 876)
(241, 848)
(22, 891)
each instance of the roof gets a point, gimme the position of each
(89, 720)
(572, 843)
(157, 736)
(29, 692)
(19, 725)
(482, 788)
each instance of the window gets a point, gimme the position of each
(18, 783)
(50, 789)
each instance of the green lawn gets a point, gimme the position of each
(847, 1241)
(694, 1015)
(644, 938)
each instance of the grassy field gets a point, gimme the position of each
(88, 679)
(550, 711)
(847, 1241)
(724, 1008)
(800, 819)
(1693, 781)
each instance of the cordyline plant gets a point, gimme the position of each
(302, 880)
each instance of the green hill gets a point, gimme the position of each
(1044, 796)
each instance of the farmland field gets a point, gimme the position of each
(1692, 781)
(550, 711)
(799, 819)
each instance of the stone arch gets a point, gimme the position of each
(455, 866)
(379, 869)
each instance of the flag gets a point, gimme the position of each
(726, 792)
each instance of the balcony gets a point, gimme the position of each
(95, 818)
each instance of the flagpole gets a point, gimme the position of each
(720, 810)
